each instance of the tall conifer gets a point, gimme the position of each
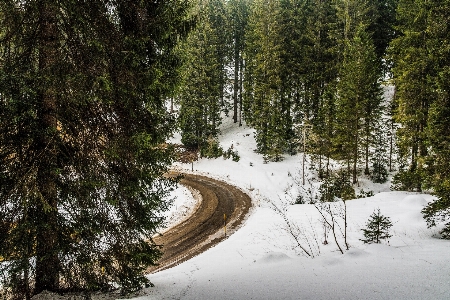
(438, 125)
(202, 88)
(238, 11)
(359, 99)
(414, 91)
(264, 105)
(82, 130)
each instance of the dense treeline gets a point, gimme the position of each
(283, 64)
(320, 66)
(421, 58)
(84, 123)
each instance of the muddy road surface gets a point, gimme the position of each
(221, 211)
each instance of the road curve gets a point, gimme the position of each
(205, 228)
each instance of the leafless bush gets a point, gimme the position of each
(334, 213)
(308, 244)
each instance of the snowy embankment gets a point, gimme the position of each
(184, 203)
(262, 260)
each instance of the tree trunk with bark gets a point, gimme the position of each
(47, 259)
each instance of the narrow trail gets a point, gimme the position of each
(205, 228)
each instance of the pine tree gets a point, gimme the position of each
(359, 99)
(220, 22)
(379, 158)
(295, 67)
(322, 61)
(382, 28)
(202, 89)
(295, 61)
(353, 14)
(371, 133)
(377, 228)
(238, 12)
(438, 123)
(82, 130)
(325, 128)
(264, 104)
(414, 90)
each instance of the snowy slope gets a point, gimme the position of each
(262, 259)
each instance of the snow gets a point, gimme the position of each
(263, 261)
(184, 203)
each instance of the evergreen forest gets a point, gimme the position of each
(314, 72)
(85, 88)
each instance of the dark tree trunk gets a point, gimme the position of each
(328, 166)
(241, 67)
(236, 84)
(355, 161)
(355, 150)
(366, 146)
(47, 260)
(391, 145)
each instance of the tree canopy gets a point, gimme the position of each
(83, 126)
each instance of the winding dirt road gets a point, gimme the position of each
(205, 228)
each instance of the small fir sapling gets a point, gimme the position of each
(377, 228)
(233, 154)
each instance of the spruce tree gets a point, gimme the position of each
(238, 11)
(322, 61)
(359, 99)
(324, 127)
(353, 14)
(220, 22)
(421, 59)
(265, 105)
(414, 90)
(202, 88)
(83, 126)
(438, 125)
(382, 28)
(377, 228)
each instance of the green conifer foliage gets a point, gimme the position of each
(353, 14)
(202, 88)
(238, 13)
(413, 78)
(359, 99)
(264, 106)
(320, 66)
(382, 27)
(438, 126)
(377, 228)
(379, 172)
(83, 126)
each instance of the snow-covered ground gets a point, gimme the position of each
(262, 259)
(184, 202)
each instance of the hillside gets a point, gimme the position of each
(263, 261)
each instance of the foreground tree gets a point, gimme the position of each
(414, 77)
(421, 56)
(82, 126)
(377, 228)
